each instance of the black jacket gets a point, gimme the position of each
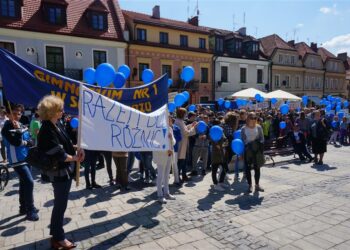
(58, 142)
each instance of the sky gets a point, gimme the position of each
(325, 22)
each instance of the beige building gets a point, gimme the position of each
(286, 66)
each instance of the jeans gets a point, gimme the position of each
(61, 192)
(131, 161)
(199, 152)
(181, 164)
(146, 159)
(26, 186)
(90, 166)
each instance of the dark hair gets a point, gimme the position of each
(216, 122)
(231, 119)
(180, 113)
(13, 107)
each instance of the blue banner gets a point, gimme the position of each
(27, 84)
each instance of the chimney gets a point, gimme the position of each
(156, 12)
(291, 43)
(242, 31)
(314, 47)
(194, 21)
(343, 56)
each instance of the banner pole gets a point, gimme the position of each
(77, 170)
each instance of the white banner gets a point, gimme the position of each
(111, 126)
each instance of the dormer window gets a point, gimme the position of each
(10, 8)
(98, 21)
(56, 15)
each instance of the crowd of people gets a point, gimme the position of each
(192, 151)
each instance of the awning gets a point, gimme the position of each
(282, 95)
(248, 93)
(315, 99)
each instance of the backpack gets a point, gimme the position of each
(41, 160)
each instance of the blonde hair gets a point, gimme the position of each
(49, 106)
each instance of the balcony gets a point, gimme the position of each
(181, 85)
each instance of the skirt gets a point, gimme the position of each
(319, 146)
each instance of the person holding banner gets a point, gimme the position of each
(186, 132)
(163, 160)
(17, 141)
(53, 137)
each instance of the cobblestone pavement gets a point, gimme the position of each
(303, 207)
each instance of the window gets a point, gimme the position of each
(287, 81)
(292, 60)
(99, 57)
(260, 76)
(9, 8)
(332, 86)
(280, 58)
(335, 66)
(297, 82)
(312, 63)
(243, 75)
(183, 41)
(336, 84)
(163, 38)
(204, 75)
(56, 15)
(99, 21)
(55, 59)
(286, 59)
(327, 84)
(202, 43)
(238, 47)
(219, 45)
(224, 74)
(8, 46)
(166, 69)
(141, 35)
(204, 99)
(277, 80)
(142, 67)
(307, 82)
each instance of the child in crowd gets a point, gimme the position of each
(298, 140)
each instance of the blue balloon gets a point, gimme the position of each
(329, 98)
(187, 74)
(125, 70)
(227, 104)
(338, 108)
(274, 100)
(346, 104)
(89, 75)
(202, 127)
(237, 146)
(305, 99)
(105, 74)
(171, 107)
(237, 134)
(119, 80)
(179, 100)
(74, 123)
(334, 124)
(147, 76)
(170, 82)
(239, 102)
(262, 99)
(328, 108)
(192, 108)
(283, 125)
(187, 95)
(341, 115)
(220, 101)
(216, 133)
(284, 109)
(258, 97)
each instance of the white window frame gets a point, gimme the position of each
(244, 66)
(10, 41)
(279, 80)
(64, 54)
(280, 58)
(287, 83)
(92, 55)
(292, 60)
(332, 86)
(228, 70)
(297, 81)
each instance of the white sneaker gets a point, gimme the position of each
(218, 188)
(170, 197)
(161, 200)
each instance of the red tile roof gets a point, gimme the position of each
(164, 22)
(304, 49)
(325, 54)
(77, 23)
(272, 42)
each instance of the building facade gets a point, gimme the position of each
(237, 63)
(64, 36)
(166, 46)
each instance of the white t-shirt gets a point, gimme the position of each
(251, 134)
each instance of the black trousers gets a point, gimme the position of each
(214, 170)
(301, 150)
(248, 173)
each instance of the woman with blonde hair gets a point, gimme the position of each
(55, 142)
